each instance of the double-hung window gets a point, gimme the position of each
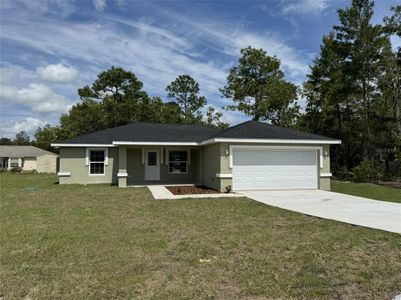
(177, 162)
(97, 159)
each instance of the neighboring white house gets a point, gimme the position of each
(28, 158)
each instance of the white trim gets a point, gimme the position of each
(105, 163)
(106, 155)
(64, 174)
(255, 147)
(270, 141)
(156, 143)
(325, 174)
(81, 145)
(207, 142)
(221, 175)
(122, 174)
(146, 177)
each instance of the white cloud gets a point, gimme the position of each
(307, 7)
(38, 97)
(29, 125)
(60, 7)
(100, 5)
(58, 73)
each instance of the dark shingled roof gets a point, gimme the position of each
(157, 132)
(259, 130)
(147, 132)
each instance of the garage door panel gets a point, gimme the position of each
(273, 158)
(274, 169)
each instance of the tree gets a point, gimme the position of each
(6, 141)
(155, 110)
(258, 88)
(393, 25)
(353, 91)
(45, 136)
(119, 92)
(82, 118)
(214, 118)
(185, 90)
(22, 138)
(115, 98)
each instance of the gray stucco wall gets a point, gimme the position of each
(136, 170)
(72, 159)
(206, 163)
(211, 163)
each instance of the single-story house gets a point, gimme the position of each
(28, 158)
(248, 156)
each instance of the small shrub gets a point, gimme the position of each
(16, 170)
(344, 174)
(365, 172)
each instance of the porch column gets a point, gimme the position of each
(9, 164)
(122, 166)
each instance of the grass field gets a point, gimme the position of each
(368, 190)
(102, 242)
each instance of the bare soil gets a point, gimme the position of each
(191, 190)
(394, 184)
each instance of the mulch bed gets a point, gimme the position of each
(191, 190)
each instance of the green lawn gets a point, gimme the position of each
(368, 190)
(102, 242)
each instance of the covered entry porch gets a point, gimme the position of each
(148, 164)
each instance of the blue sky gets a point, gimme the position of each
(50, 48)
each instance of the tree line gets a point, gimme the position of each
(352, 92)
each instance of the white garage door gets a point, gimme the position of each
(266, 169)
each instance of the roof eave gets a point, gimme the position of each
(270, 141)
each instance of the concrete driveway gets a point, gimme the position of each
(345, 208)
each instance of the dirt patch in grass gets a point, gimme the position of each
(394, 184)
(191, 190)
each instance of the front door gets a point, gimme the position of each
(152, 165)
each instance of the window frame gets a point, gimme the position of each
(186, 162)
(105, 162)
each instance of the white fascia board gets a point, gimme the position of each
(270, 141)
(221, 175)
(64, 174)
(81, 145)
(326, 174)
(122, 143)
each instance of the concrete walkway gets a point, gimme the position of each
(329, 205)
(160, 192)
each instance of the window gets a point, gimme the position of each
(14, 163)
(152, 158)
(178, 162)
(3, 163)
(96, 162)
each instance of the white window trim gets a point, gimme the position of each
(285, 148)
(225, 175)
(168, 161)
(106, 160)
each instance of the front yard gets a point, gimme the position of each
(368, 190)
(75, 242)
